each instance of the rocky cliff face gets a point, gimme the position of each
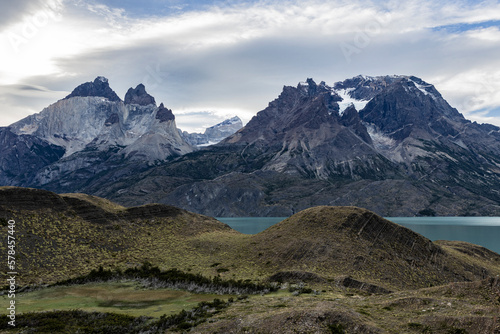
(72, 123)
(23, 155)
(78, 123)
(96, 131)
(304, 134)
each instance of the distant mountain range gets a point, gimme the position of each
(213, 134)
(391, 144)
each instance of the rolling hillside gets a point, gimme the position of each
(60, 236)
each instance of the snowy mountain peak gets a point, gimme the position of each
(102, 79)
(344, 93)
(359, 90)
(305, 85)
(215, 133)
(230, 121)
(310, 87)
(234, 119)
(365, 77)
(348, 100)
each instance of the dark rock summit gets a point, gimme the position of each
(164, 115)
(99, 88)
(365, 87)
(407, 108)
(139, 96)
(302, 133)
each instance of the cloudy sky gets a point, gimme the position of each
(208, 60)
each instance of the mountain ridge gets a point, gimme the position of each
(388, 143)
(420, 169)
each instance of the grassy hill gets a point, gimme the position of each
(333, 241)
(61, 236)
(365, 267)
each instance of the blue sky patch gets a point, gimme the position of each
(146, 8)
(463, 27)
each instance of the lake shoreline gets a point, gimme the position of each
(483, 231)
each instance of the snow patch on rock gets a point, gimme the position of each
(347, 100)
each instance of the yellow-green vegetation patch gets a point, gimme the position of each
(78, 321)
(123, 298)
(454, 308)
(97, 201)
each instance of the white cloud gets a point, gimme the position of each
(237, 58)
(475, 93)
(490, 35)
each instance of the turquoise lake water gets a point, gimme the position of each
(484, 231)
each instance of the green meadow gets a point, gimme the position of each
(118, 297)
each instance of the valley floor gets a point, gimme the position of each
(453, 308)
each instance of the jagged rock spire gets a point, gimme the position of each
(164, 114)
(139, 96)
